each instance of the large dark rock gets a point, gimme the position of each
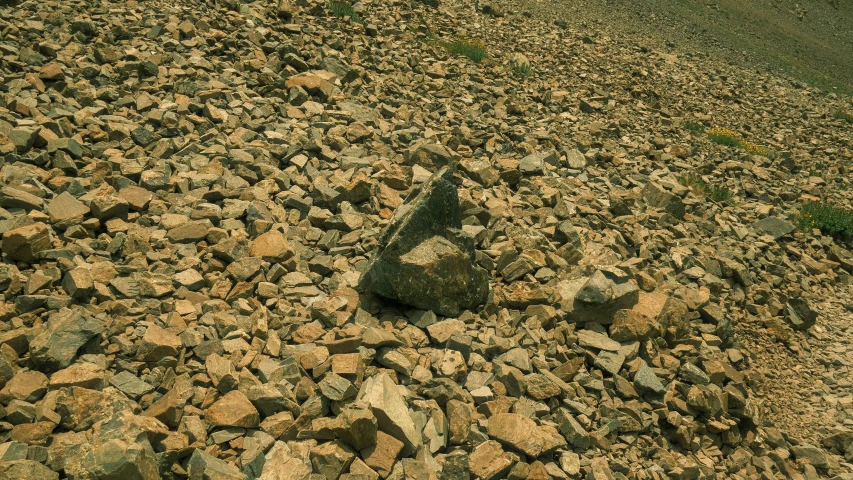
(423, 258)
(66, 332)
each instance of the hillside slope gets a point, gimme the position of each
(192, 191)
(810, 40)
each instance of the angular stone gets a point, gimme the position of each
(281, 464)
(66, 331)
(28, 386)
(381, 394)
(331, 459)
(203, 466)
(799, 314)
(26, 469)
(78, 283)
(189, 232)
(774, 226)
(271, 246)
(598, 298)
(157, 343)
(657, 197)
(423, 259)
(233, 410)
(517, 432)
(25, 243)
(14, 198)
(488, 461)
(65, 211)
(382, 455)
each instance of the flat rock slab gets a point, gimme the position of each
(774, 226)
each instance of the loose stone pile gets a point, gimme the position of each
(255, 241)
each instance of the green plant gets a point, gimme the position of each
(700, 187)
(521, 69)
(694, 127)
(342, 8)
(474, 51)
(829, 219)
(839, 115)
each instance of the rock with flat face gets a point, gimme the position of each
(25, 243)
(66, 331)
(233, 410)
(388, 406)
(423, 259)
(597, 298)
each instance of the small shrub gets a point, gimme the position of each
(342, 8)
(830, 220)
(522, 69)
(730, 138)
(700, 187)
(475, 51)
(839, 115)
(694, 127)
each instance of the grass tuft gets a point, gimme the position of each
(342, 8)
(521, 69)
(700, 187)
(839, 115)
(730, 138)
(694, 127)
(473, 50)
(830, 220)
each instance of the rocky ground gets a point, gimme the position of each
(244, 240)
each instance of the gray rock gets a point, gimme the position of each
(645, 381)
(423, 259)
(799, 314)
(65, 333)
(774, 226)
(657, 197)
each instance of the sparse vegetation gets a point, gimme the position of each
(473, 50)
(730, 138)
(521, 69)
(701, 187)
(342, 8)
(841, 115)
(830, 220)
(694, 127)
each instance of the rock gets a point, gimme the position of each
(517, 432)
(156, 344)
(25, 243)
(774, 226)
(202, 466)
(29, 469)
(233, 410)
(657, 197)
(66, 331)
(14, 198)
(271, 246)
(65, 211)
(331, 459)
(383, 454)
(380, 393)
(423, 259)
(575, 159)
(597, 298)
(280, 464)
(488, 461)
(28, 386)
(799, 314)
(599, 341)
